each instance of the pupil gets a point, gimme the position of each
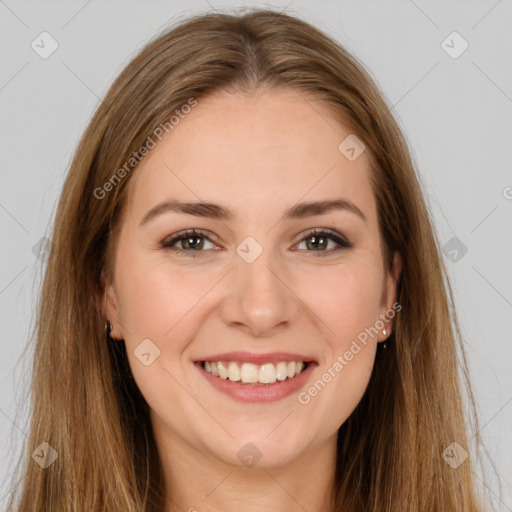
(191, 244)
(316, 241)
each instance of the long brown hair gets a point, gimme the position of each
(84, 401)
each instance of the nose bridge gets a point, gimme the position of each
(257, 278)
(259, 299)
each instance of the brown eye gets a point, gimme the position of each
(318, 241)
(190, 240)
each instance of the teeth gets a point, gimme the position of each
(267, 373)
(291, 368)
(281, 370)
(233, 372)
(223, 369)
(250, 373)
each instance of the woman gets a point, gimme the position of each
(243, 218)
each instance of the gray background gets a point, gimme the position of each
(455, 113)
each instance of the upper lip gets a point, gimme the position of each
(259, 359)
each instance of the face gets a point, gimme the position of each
(252, 286)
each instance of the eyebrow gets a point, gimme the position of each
(219, 212)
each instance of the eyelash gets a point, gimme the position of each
(342, 242)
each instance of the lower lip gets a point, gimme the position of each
(258, 393)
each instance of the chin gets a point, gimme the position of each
(260, 451)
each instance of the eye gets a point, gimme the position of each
(319, 241)
(191, 241)
(316, 240)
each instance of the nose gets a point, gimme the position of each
(259, 300)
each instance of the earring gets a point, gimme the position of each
(385, 344)
(108, 328)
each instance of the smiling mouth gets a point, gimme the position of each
(254, 374)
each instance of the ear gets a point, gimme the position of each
(110, 309)
(389, 293)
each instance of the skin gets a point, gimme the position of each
(258, 155)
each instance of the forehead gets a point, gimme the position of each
(253, 153)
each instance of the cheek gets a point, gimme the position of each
(157, 312)
(340, 382)
(346, 299)
(154, 298)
